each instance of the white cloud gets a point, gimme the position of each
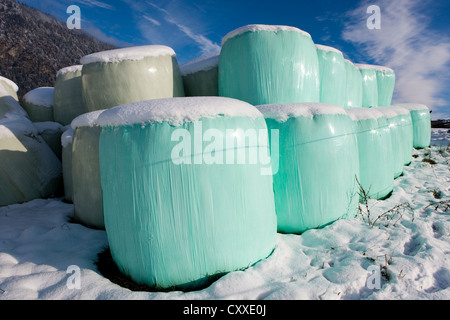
(419, 56)
(95, 3)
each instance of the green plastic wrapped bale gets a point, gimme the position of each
(316, 182)
(421, 121)
(116, 77)
(180, 205)
(66, 143)
(51, 133)
(400, 142)
(10, 87)
(86, 183)
(263, 64)
(333, 75)
(38, 103)
(386, 85)
(376, 163)
(407, 132)
(201, 76)
(369, 85)
(29, 169)
(9, 106)
(68, 97)
(354, 90)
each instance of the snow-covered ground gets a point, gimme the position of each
(408, 255)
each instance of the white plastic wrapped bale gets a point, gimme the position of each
(265, 64)
(51, 133)
(369, 85)
(68, 97)
(116, 77)
(10, 87)
(29, 169)
(376, 163)
(333, 75)
(421, 121)
(38, 103)
(9, 105)
(86, 184)
(353, 90)
(386, 85)
(200, 76)
(180, 206)
(66, 143)
(315, 183)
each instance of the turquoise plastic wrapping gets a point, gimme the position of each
(376, 164)
(386, 86)
(109, 84)
(68, 98)
(354, 90)
(86, 183)
(333, 76)
(201, 77)
(407, 132)
(318, 165)
(177, 225)
(370, 86)
(29, 169)
(421, 122)
(265, 67)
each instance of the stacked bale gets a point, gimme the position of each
(263, 64)
(9, 105)
(333, 75)
(68, 97)
(386, 85)
(178, 211)
(86, 184)
(201, 76)
(115, 77)
(353, 90)
(316, 183)
(369, 85)
(51, 133)
(38, 103)
(421, 122)
(66, 143)
(376, 164)
(10, 87)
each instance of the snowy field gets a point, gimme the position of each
(405, 251)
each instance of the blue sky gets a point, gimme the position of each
(414, 38)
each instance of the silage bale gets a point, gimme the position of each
(376, 163)
(115, 77)
(333, 75)
(51, 133)
(66, 144)
(421, 122)
(176, 216)
(86, 184)
(68, 97)
(9, 105)
(353, 90)
(29, 169)
(200, 76)
(316, 182)
(38, 103)
(369, 85)
(386, 85)
(10, 87)
(263, 64)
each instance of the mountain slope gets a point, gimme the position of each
(34, 46)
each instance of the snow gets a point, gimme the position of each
(86, 119)
(176, 111)
(284, 111)
(70, 69)
(328, 49)
(67, 137)
(38, 244)
(204, 63)
(392, 111)
(363, 113)
(40, 97)
(9, 82)
(261, 27)
(13, 124)
(131, 53)
(362, 66)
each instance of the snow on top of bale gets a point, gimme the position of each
(48, 126)
(71, 69)
(14, 124)
(412, 106)
(284, 111)
(11, 83)
(363, 66)
(86, 120)
(67, 137)
(204, 63)
(261, 27)
(358, 114)
(176, 111)
(131, 53)
(40, 97)
(328, 49)
(392, 111)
